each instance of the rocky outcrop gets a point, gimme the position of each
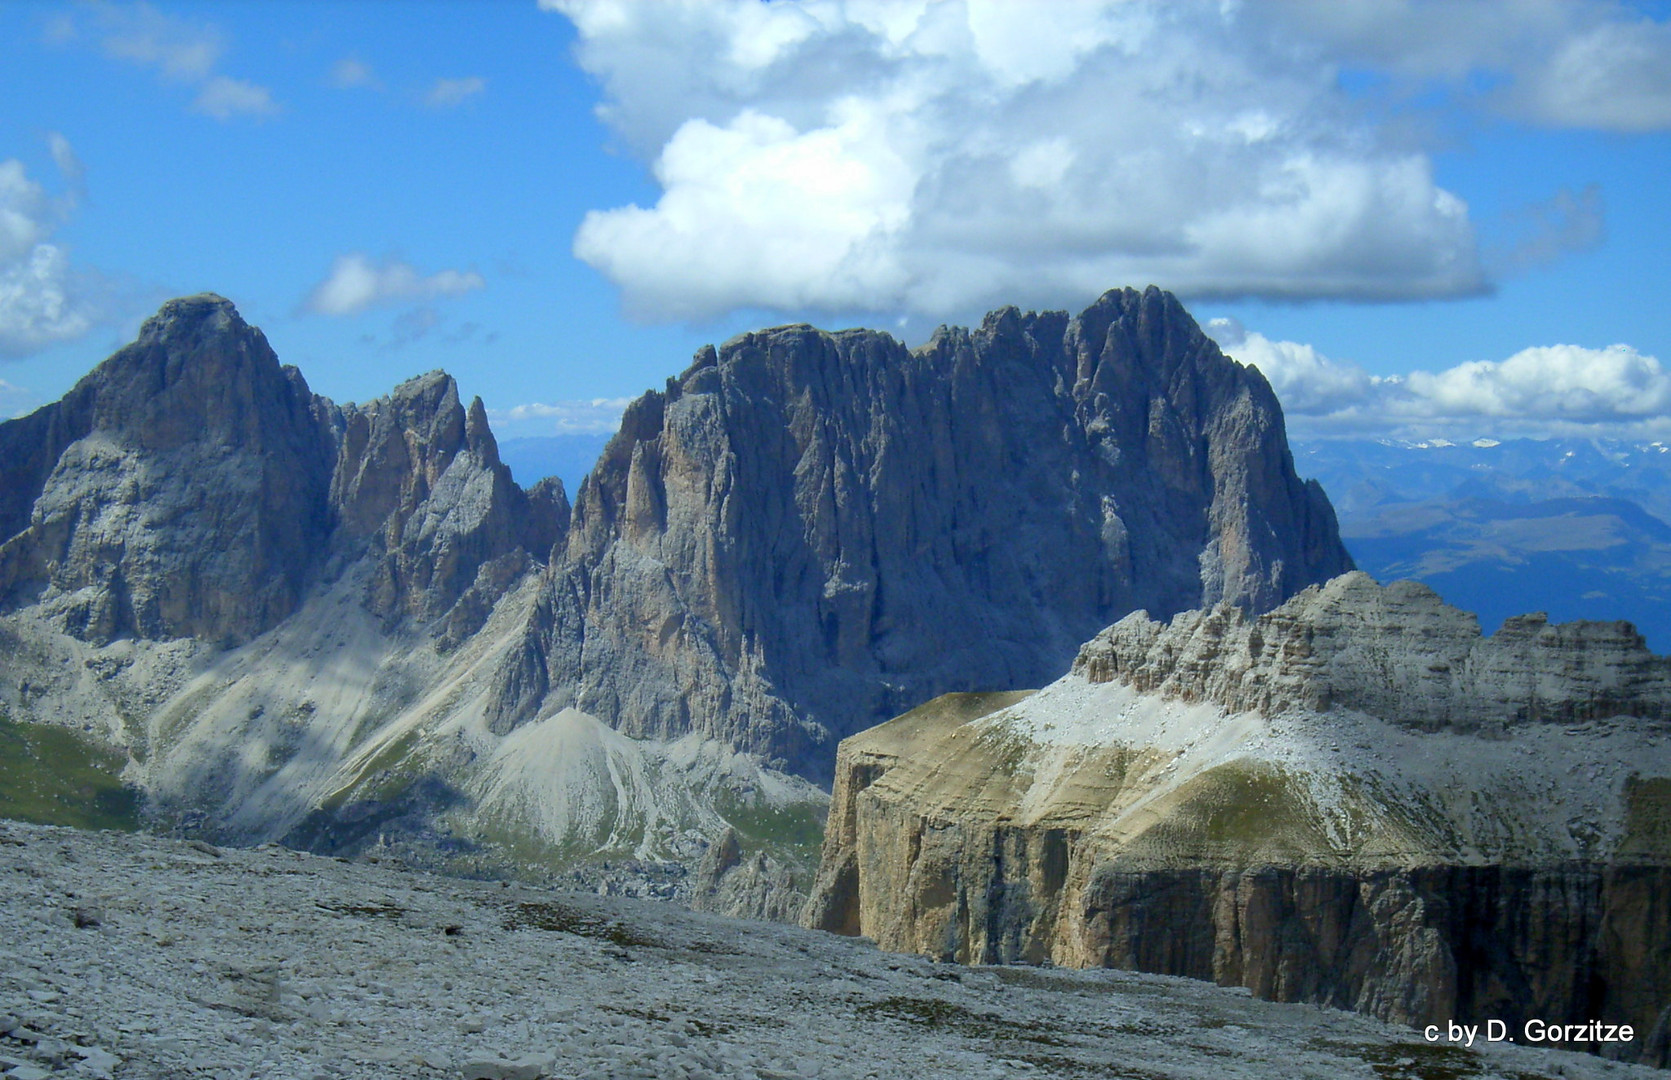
(1398, 652)
(754, 887)
(1354, 800)
(809, 532)
(804, 534)
(421, 474)
(191, 487)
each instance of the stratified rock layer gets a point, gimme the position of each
(1353, 799)
(810, 532)
(1398, 652)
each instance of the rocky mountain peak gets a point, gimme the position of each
(197, 374)
(189, 318)
(808, 532)
(197, 425)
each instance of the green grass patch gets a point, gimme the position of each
(385, 778)
(1250, 805)
(390, 772)
(1240, 810)
(563, 919)
(524, 847)
(794, 833)
(54, 776)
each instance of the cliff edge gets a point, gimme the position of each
(1354, 799)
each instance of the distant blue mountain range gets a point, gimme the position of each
(1574, 528)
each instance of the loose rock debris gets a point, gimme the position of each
(134, 956)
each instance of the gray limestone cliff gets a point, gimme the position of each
(179, 490)
(191, 487)
(808, 532)
(1398, 652)
(1354, 799)
(345, 625)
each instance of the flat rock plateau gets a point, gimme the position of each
(1354, 799)
(133, 956)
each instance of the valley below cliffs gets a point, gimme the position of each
(1354, 799)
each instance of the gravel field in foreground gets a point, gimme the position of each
(127, 955)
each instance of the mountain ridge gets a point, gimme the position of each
(1121, 444)
(802, 534)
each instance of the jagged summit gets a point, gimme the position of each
(191, 486)
(316, 616)
(808, 532)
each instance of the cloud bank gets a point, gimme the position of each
(356, 283)
(1541, 391)
(938, 158)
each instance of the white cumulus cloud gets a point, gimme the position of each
(597, 416)
(827, 201)
(1305, 381)
(43, 300)
(1553, 382)
(356, 283)
(1592, 64)
(1613, 77)
(935, 158)
(1538, 391)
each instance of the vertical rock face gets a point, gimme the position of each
(1353, 799)
(420, 475)
(803, 534)
(190, 486)
(180, 490)
(809, 532)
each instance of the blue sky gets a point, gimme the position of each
(1415, 216)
